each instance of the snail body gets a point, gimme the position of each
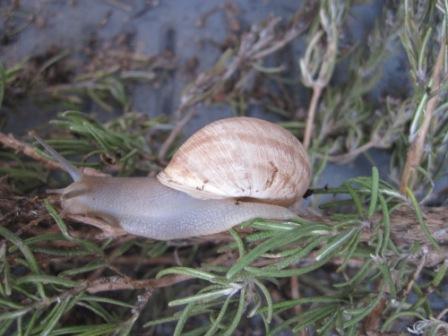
(145, 207)
(186, 200)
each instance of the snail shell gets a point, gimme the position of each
(241, 158)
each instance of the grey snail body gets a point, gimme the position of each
(186, 201)
(145, 207)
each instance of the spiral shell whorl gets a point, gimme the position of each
(241, 158)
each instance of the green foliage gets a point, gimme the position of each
(38, 299)
(58, 277)
(423, 34)
(121, 142)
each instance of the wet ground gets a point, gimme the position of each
(190, 34)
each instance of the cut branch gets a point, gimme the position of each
(118, 283)
(317, 91)
(405, 230)
(112, 283)
(9, 141)
(415, 152)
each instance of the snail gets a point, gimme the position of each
(228, 172)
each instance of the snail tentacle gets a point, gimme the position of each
(74, 172)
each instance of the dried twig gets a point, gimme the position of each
(404, 230)
(255, 45)
(295, 293)
(114, 283)
(415, 152)
(352, 154)
(174, 133)
(317, 91)
(316, 71)
(9, 141)
(417, 272)
(373, 320)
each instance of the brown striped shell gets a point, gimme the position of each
(241, 158)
